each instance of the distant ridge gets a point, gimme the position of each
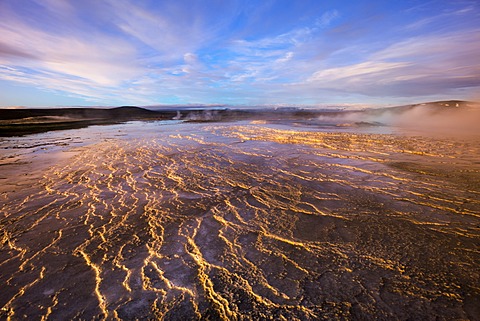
(15, 122)
(130, 112)
(442, 104)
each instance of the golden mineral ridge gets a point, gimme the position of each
(238, 221)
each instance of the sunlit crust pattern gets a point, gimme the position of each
(247, 223)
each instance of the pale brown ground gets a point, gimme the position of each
(243, 222)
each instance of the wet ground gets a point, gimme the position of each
(239, 221)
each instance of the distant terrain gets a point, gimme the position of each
(284, 214)
(18, 122)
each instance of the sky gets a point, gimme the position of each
(233, 52)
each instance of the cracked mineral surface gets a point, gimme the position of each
(238, 221)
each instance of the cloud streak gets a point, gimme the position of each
(235, 52)
(418, 66)
(100, 60)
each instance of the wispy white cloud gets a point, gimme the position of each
(356, 72)
(416, 66)
(93, 64)
(148, 52)
(102, 59)
(167, 35)
(327, 18)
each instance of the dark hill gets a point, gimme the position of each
(15, 122)
(125, 112)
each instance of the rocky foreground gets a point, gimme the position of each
(239, 221)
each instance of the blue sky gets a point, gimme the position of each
(270, 52)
